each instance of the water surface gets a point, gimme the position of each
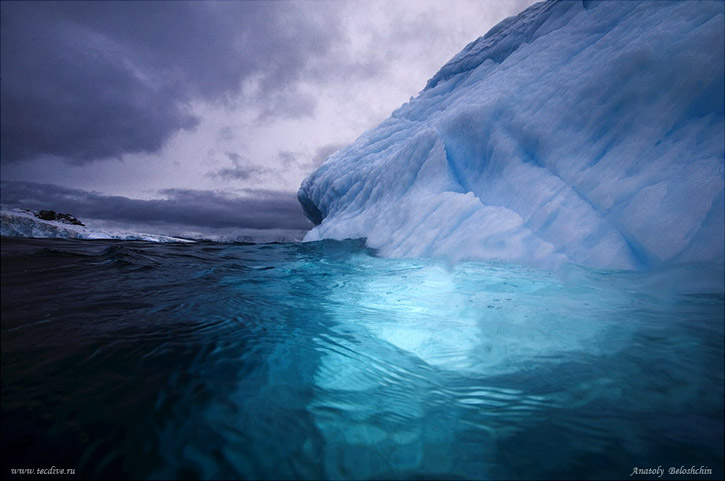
(320, 360)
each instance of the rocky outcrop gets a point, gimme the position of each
(52, 215)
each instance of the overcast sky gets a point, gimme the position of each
(206, 114)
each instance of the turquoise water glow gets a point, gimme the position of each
(320, 360)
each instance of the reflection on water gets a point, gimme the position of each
(322, 361)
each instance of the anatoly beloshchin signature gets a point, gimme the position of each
(659, 471)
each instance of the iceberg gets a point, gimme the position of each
(582, 132)
(23, 223)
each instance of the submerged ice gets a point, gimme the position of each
(426, 370)
(587, 132)
(322, 361)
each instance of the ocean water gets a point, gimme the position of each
(321, 360)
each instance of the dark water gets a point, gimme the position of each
(141, 360)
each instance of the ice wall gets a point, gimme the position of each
(588, 132)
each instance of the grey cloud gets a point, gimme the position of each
(289, 104)
(307, 161)
(90, 80)
(226, 134)
(234, 157)
(65, 96)
(238, 172)
(241, 168)
(259, 209)
(288, 158)
(324, 152)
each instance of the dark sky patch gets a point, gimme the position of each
(92, 80)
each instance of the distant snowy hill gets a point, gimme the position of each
(15, 222)
(23, 223)
(589, 132)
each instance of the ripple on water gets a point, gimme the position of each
(320, 360)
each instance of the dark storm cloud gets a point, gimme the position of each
(260, 209)
(90, 80)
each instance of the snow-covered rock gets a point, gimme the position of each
(24, 223)
(588, 132)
